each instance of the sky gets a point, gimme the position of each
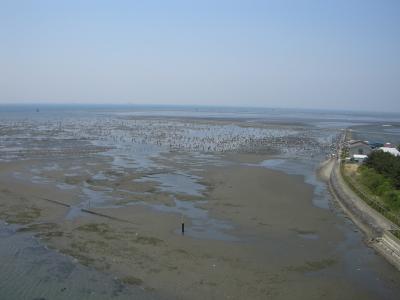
(290, 54)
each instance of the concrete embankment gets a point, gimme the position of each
(375, 226)
(389, 246)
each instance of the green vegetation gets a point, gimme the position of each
(344, 153)
(100, 228)
(396, 233)
(83, 259)
(381, 174)
(372, 200)
(105, 231)
(43, 230)
(377, 182)
(381, 186)
(20, 214)
(387, 165)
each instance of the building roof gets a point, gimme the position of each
(360, 156)
(390, 150)
(357, 143)
(376, 144)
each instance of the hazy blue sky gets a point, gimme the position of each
(314, 54)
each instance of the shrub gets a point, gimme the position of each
(375, 182)
(381, 186)
(385, 164)
(392, 199)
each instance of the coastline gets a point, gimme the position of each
(258, 221)
(152, 257)
(375, 227)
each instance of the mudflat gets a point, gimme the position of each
(275, 243)
(110, 195)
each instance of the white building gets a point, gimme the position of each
(390, 150)
(359, 157)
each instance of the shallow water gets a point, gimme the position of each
(178, 183)
(306, 168)
(142, 145)
(377, 133)
(28, 270)
(360, 263)
(202, 226)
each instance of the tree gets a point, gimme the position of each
(385, 164)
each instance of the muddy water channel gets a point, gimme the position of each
(93, 203)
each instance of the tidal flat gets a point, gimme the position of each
(105, 193)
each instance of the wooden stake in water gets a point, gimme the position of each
(183, 224)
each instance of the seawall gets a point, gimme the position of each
(374, 225)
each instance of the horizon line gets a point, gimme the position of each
(192, 105)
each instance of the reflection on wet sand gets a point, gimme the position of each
(257, 218)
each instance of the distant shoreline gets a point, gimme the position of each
(200, 107)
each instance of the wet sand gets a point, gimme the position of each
(29, 270)
(108, 195)
(282, 246)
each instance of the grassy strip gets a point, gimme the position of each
(396, 233)
(368, 198)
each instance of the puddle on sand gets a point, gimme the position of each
(102, 176)
(90, 199)
(309, 236)
(304, 168)
(202, 225)
(135, 156)
(28, 270)
(179, 183)
(65, 186)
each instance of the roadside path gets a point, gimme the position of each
(375, 226)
